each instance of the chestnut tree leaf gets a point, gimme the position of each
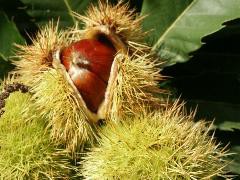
(160, 14)
(177, 38)
(9, 35)
(42, 11)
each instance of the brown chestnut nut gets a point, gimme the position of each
(88, 63)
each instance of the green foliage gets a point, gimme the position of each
(9, 35)
(44, 10)
(160, 15)
(184, 34)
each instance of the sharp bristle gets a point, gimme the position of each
(165, 144)
(68, 123)
(136, 85)
(119, 17)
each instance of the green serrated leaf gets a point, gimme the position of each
(8, 36)
(198, 19)
(160, 15)
(44, 10)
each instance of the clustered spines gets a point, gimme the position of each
(35, 62)
(118, 18)
(68, 123)
(135, 85)
(8, 89)
(35, 58)
(155, 145)
(27, 152)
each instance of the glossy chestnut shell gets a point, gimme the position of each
(88, 63)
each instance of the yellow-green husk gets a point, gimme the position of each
(27, 151)
(135, 83)
(157, 145)
(56, 100)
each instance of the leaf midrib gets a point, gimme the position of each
(173, 24)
